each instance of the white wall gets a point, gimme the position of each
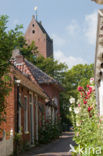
(101, 97)
(6, 146)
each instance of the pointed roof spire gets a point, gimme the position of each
(36, 9)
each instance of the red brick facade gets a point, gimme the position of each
(37, 33)
(36, 110)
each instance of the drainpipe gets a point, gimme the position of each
(18, 86)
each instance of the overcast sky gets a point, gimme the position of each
(71, 23)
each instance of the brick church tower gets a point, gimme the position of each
(36, 32)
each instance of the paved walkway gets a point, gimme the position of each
(59, 147)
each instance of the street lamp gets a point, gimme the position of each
(98, 1)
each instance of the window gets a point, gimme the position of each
(56, 101)
(19, 118)
(25, 114)
(33, 25)
(33, 31)
(30, 98)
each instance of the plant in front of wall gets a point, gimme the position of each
(18, 142)
(50, 130)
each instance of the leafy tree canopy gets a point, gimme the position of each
(8, 41)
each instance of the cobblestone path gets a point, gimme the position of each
(59, 147)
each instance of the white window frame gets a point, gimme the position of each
(31, 102)
(36, 115)
(56, 101)
(26, 114)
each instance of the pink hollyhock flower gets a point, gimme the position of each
(85, 102)
(89, 109)
(78, 105)
(80, 88)
(89, 92)
(90, 88)
(87, 86)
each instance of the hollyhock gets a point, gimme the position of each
(80, 88)
(78, 105)
(91, 80)
(70, 109)
(72, 100)
(85, 102)
(89, 109)
(76, 110)
(87, 86)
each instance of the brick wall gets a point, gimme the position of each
(34, 33)
(52, 92)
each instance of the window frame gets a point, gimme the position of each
(26, 114)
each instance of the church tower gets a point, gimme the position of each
(36, 32)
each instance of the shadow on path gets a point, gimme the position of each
(59, 147)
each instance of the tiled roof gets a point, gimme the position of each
(25, 81)
(39, 75)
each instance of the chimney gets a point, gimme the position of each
(16, 55)
(19, 60)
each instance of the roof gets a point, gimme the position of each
(25, 81)
(39, 75)
(43, 30)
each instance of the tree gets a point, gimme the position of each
(8, 41)
(49, 65)
(78, 75)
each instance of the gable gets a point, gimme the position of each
(34, 32)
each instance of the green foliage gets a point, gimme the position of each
(88, 126)
(77, 75)
(28, 51)
(8, 41)
(18, 141)
(49, 131)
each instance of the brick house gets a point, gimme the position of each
(48, 85)
(22, 111)
(36, 32)
(51, 87)
(34, 98)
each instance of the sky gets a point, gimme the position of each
(71, 23)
